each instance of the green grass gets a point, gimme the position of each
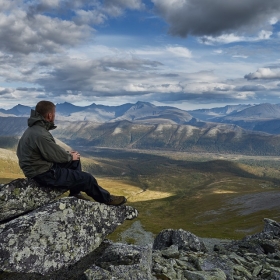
(191, 191)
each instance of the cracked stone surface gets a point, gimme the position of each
(122, 261)
(23, 195)
(58, 234)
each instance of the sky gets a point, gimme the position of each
(189, 54)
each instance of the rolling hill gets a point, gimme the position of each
(261, 117)
(210, 114)
(198, 137)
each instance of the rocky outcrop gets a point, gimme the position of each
(65, 239)
(254, 257)
(24, 195)
(58, 235)
(42, 237)
(183, 240)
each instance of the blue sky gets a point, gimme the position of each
(185, 53)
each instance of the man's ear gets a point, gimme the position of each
(48, 117)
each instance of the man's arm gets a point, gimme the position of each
(52, 152)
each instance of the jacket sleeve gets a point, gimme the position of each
(50, 151)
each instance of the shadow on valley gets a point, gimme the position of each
(199, 193)
(139, 164)
(203, 195)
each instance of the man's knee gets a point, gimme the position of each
(89, 177)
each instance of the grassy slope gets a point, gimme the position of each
(190, 191)
(9, 168)
(177, 190)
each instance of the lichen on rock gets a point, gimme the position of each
(122, 261)
(183, 239)
(23, 195)
(58, 234)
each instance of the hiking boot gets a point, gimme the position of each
(80, 196)
(116, 200)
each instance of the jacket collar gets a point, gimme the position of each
(37, 119)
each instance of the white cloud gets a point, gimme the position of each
(20, 34)
(116, 7)
(180, 51)
(233, 38)
(94, 17)
(273, 20)
(218, 51)
(264, 35)
(240, 56)
(263, 73)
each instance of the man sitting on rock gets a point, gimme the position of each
(41, 159)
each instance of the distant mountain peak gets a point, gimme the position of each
(65, 104)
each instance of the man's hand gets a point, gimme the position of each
(75, 155)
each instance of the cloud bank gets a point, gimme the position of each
(263, 73)
(217, 17)
(49, 49)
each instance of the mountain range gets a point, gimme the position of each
(139, 112)
(261, 117)
(243, 129)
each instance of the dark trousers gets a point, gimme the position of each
(70, 176)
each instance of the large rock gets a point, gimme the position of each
(183, 239)
(121, 261)
(57, 235)
(265, 242)
(23, 195)
(271, 231)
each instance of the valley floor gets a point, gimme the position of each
(210, 195)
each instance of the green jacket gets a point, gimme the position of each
(37, 150)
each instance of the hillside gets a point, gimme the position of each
(210, 114)
(198, 137)
(258, 112)
(211, 137)
(261, 117)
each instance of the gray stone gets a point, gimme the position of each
(97, 273)
(216, 274)
(271, 230)
(121, 261)
(183, 239)
(271, 227)
(23, 195)
(257, 270)
(266, 242)
(214, 261)
(57, 235)
(243, 271)
(171, 252)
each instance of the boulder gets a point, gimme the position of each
(57, 235)
(263, 243)
(122, 261)
(271, 231)
(24, 195)
(183, 239)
